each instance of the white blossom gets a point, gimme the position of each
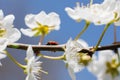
(8, 34)
(96, 13)
(106, 67)
(33, 68)
(75, 60)
(72, 49)
(41, 23)
(113, 6)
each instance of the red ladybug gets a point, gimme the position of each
(52, 43)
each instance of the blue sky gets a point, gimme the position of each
(69, 29)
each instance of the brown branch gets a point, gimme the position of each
(58, 47)
(37, 47)
(109, 47)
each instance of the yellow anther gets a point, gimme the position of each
(2, 32)
(41, 29)
(112, 68)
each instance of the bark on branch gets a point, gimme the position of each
(58, 47)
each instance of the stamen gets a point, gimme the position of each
(41, 29)
(91, 2)
(77, 4)
(2, 32)
(43, 71)
(112, 68)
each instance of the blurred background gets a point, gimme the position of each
(69, 29)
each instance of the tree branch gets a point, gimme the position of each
(58, 47)
(37, 47)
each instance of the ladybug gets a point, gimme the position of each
(52, 43)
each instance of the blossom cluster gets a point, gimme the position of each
(105, 66)
(98, 14)
(40, 24)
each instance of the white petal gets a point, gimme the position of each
(2, 55)
(96, 68)
(52, 19)
(3, 44)
(105, 77)
(27, 32)
(30, 77)
(104, 18)
(55, 17)
(72, 13)
(71, 73)
(30, 53)
(57, 27)
(8, 21)
(105, 55)
(13, 35)
(109, 4)
(41, 17)
(30, 21)
(68, 44)
(1, 15)
(83, 43)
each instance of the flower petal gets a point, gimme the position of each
(13, 35)
(2, 55)
(41, 17)
(30, 53)
(8, 21)
(105, 55)
(30, 77)
(1, 15)
(3, 44)
(27, 32)
(53, 20)
(71, 73)
(96, 68)
(83, 43)
(30, 21)
(72, 13)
